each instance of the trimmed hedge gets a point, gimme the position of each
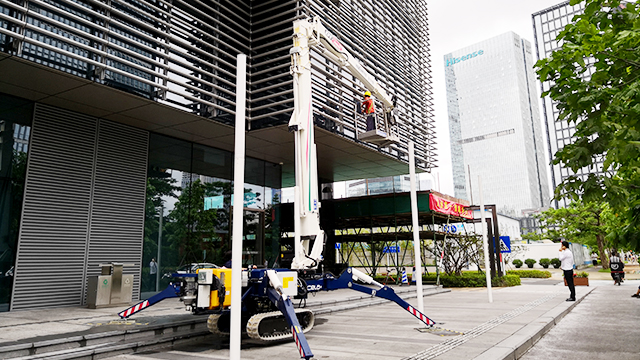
(545, 262)
(517, 263)
(530, 273)
(468, 279)
(474, 279)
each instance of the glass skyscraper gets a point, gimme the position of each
(547, 24)
(494, 124)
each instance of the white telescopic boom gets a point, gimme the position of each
(307, 223)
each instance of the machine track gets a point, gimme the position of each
(273, 326)
(213, 324)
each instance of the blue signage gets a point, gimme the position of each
(505, 244)
(452, 229)
(391, 249)
(451, 61)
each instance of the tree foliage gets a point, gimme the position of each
(583, 223)
(595, 83)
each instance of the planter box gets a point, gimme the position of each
(578, 281)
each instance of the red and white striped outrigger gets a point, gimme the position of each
(173, 290)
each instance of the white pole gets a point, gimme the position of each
(485, 242)
(159, 248)
(238, 204)
(416, 227)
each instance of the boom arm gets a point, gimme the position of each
(308, 33)
(334, 49)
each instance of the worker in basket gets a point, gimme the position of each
(369, 110)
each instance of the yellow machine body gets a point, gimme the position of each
(215, 302)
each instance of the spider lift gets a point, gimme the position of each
(268, 313)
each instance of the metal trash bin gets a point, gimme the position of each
(99, 292)
(111, 287)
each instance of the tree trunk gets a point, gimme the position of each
(603, 257)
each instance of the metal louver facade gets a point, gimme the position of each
(83, 205)
(117, 208)
(390, 39)
(182, 54)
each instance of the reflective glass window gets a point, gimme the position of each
(15, 125)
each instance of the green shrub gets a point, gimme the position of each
(507, 280)
(517, 263)
(555, 262)
(530, 273)
(545, 262)
(530, 263)
(582, 274)
(473, 279)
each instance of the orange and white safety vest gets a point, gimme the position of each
(367, 107)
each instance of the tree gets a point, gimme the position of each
(159, 184)
(193, 229)
(457, 252)
(587, 224)
(595, 83)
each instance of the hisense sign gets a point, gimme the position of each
(452, 61)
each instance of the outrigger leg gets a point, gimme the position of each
(285, 305)
(346, 281)
(173, 290)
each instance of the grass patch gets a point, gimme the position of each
(605, 270)
(543, 274)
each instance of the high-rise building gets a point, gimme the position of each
(547, 24)
(494, 124)
(106, 105)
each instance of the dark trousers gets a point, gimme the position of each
(371, 123)
(152, 282)
(568, 275)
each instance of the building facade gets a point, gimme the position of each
(117, 129)
(547, 24)
(495, 126)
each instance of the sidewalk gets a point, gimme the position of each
(32, 332)
(632, 272)
(517, 318)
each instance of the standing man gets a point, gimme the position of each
(369, 109)
(566, 264)
(153, 270)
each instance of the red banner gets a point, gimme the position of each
(443, 206)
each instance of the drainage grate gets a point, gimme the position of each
(445, 346)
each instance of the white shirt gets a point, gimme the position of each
(566, 259)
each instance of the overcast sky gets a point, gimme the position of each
(457, 24)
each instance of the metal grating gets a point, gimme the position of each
(84, 205)
(117, 213)
(53, 235)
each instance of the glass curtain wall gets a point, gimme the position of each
(189, 207)
(15, 129)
